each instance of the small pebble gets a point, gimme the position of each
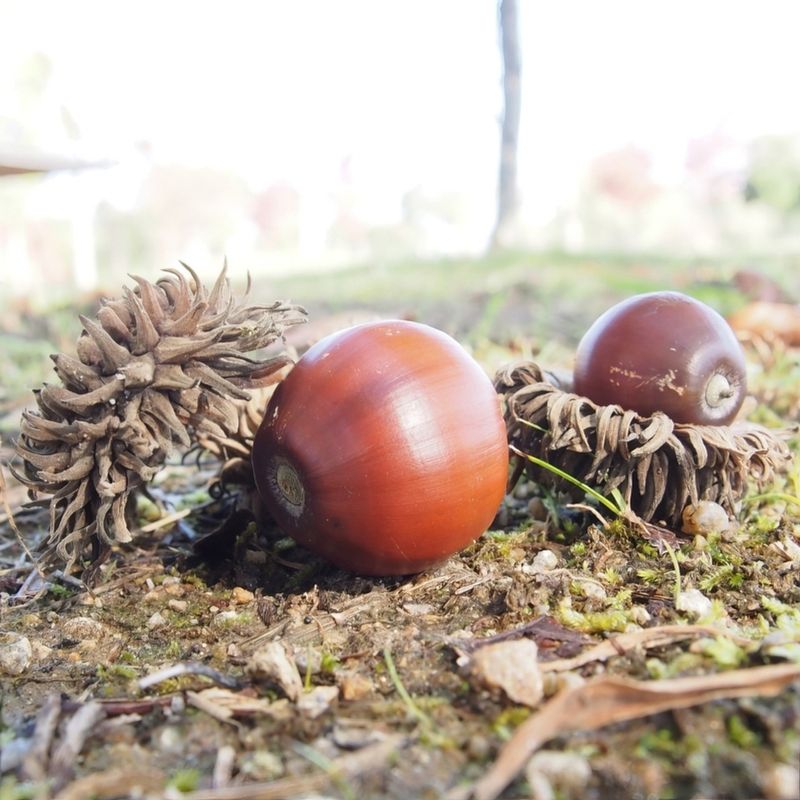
(82, 628)
(156, 621)
(545, 561)
(315, 703)
(640, 615)
(225, 617)
(512, 667)
(241, 597)
(782, 782)
(704, 518)
(592, 590)
(354, 686)
(694, 602)
(15, 654)
(178, 605)
(479, 747)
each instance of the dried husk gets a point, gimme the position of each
(658, 466)
(233, 450)
(160, 368)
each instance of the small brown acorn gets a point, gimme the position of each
(158, 368)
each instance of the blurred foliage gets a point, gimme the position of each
(774, 176)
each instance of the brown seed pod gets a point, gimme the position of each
(658, 465)
(159, 368)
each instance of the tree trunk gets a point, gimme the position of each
(507, 190)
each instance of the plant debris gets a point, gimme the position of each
(657, 465)
(606, 700)
(159, 367)
(165, 649)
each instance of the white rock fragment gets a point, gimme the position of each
(83, 628)
(157, 620)
(225, 618)
(417, 609)
(545, 561)
(512, 667)
(694, 602)
(592, 590)
(706, 517)
(315, 703)
(274, 663)
(782, 782)
(16, 653)
(640, 615)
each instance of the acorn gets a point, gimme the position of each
(663, 351)
(659, 380)
(384, 450)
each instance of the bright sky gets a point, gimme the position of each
(289, 88)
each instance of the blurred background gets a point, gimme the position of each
(473, 163)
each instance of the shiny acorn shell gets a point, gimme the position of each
(384, 450)
(663, 351)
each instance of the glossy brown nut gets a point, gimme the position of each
(663, 351)
(384, 450)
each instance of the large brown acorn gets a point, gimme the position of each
(384, 450)
(663, 351)
(161, 367)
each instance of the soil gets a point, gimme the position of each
(274, 674)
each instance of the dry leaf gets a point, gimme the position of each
(768, 321)
(369, 759)
(607, 700)
(273, 663)
(113, 782)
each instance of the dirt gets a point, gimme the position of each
(389, 705)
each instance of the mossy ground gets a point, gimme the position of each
(391, 644)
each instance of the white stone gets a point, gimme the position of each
(545, 561)
(694, 602)
(315, 703)
(16, 653)
(705, 517)
(157, 620)
(511, 666)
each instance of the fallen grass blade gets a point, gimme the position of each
(608, 700)
(585, 488)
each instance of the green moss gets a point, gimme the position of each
(651, 575)
(12, 789)
(723, 651)
(740, 734)
(112, 671)
(184, 780)
(591, 621)
(508, 720)
(173, 649)
(328, 663)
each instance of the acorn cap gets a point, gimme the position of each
(658, 465)
(160, 367)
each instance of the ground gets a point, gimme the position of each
(276, 675)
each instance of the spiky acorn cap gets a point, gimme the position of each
(658, 465)
(159, 368)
